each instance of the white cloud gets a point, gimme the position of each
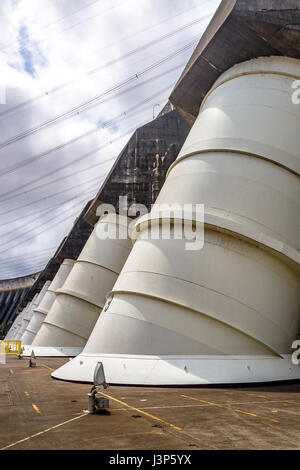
(47, 43)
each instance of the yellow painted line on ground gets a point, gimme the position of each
(36, 408)
(42, 432)
(256, 416)
(47, 367)
(232, 409)
(27, 394)
(258, 395)
(143, 412)
(274, 399)
(11, 371)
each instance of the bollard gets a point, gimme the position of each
(32, 363)
(95, 404)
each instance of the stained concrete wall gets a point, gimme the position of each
(12, 293)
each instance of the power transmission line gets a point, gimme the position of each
(34, 256)
(105, 65)
(92, 102)
(73, 214)
(66, 176)
(28, 259)
(36, 253)
(20, 235)
(155, 25)
(74, 161)
(38, 157)
(63, 177)
(49, 196)
(30, 271)
(22, 48)
(47, 211)
(57, 221)
(43, 209)
(106, 124)
(16, 266)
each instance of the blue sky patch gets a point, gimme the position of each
(25, 49)
(15, 3)
(111, 126)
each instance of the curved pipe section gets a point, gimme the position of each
(46, 301)
(36, 319)
(80, 299)
(24, 318)
(226, 313)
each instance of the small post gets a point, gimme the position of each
(32, 363)
(20, 353)
(95, 404)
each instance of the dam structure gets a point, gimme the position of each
(65, 317)
(229, 311)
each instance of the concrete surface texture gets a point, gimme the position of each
(140, 170)
(239, 31)
(40, 413)
(12, 293)
(175, 314)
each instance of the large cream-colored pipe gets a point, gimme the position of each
(28, 315)
(36, 319)
(41, 311)
(227, 313)
(79, 301)
(19, 322)
(24, 318)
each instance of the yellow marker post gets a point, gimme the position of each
(10, 346)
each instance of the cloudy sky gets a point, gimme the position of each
(70, 68)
